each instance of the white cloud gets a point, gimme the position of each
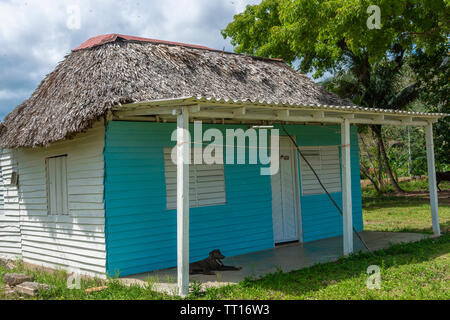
(12, 94)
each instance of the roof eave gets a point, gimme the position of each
(248, 110)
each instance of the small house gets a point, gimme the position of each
(87, 182)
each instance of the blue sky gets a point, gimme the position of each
(36, 34)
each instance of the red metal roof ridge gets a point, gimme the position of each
(106, 38)
(111, 37)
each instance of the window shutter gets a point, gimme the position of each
(325, 162)
(206, 183)
(57, 185)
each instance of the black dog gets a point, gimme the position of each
(213, 262)
(442, 176)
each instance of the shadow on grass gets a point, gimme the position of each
(445, 228)
(320, 276)
(406, 210)
(372, 203)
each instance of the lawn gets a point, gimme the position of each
(403, 213)
(59, 291)
(418, 270)
(413, 271)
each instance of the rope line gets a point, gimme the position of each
(321, 184)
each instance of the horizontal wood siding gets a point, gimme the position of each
(320, 219)
(10, 244)
(326, 163)
(74, 240)
(2, 191)
(141, 232)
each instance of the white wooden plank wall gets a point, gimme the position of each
(10, 243)
(73, 240)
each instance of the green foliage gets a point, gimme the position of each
(196, 290)
(397, 140)
(432, 71)
(387, 87)
(325, 35)
(376, 68)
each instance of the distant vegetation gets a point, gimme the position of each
(402, 65)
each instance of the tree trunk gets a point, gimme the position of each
(365, 173)
(377, 130)
(376, 176)
(380, 166)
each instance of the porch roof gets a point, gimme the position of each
(230, 110)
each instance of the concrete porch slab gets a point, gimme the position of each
(287, 258)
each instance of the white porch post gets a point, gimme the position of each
(346, 188)
(432, 179)
(183, 157)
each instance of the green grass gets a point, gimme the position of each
(402, 213)
(59, 291)
(418, 270)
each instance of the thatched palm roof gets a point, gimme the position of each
(113, 70)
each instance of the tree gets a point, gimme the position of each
(333, 36)
(432, 71)
(389, 86)
(325, 35)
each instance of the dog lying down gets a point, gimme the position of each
(210, 264)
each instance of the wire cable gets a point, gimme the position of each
(321, 184)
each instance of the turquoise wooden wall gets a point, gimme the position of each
(320, 219)
(141, 232)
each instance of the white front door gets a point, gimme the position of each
(285, 195)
